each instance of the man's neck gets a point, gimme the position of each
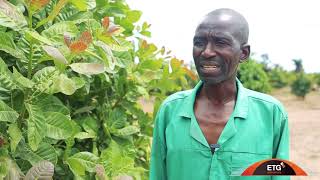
(220, 93)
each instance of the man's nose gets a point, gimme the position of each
(209, 51)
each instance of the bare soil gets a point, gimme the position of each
(304, 124)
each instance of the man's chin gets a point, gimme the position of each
(212, 80)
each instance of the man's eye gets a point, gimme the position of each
(199, 43)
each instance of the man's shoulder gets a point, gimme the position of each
(265, 98)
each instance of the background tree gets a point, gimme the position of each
(253, 76)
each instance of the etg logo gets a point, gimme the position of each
(275, 167)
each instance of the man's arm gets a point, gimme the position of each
(158, 151)
(281, 143)
(281, 140)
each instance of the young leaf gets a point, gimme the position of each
(55, 54)
(6, 113)
(41, 170)
(10, 16)
(78, 47)
(87, 68)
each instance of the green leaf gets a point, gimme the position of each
(36, 126)
(14, 172)
(21, 80)
(87, 68)
(63, 84)
(36, 37)
(51, 103)
(79, 82)
(127, 131)
(6, 113)
(10, 16)
(57, 125)
(84, 5)
(57, 31)
(53, 13)
(44, 79)
(15, 136)
(7, 45)
(45, 151)
(41, 170)
(81, 162)
(105, 52)
(133, 16)
(84, 135)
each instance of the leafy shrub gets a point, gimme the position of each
(252, 75)
(278, 77)
(301, 86)
(70, 85)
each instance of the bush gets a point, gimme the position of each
(301, 86)
(252, 75)
(278, 77)
(70, 85)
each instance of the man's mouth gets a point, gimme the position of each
(210, 67)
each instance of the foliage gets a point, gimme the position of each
(278, 77)
(252, 75)
(298, 65)
(71, 75)
(301, 86)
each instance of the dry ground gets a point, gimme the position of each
(304, 122)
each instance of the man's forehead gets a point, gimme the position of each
(214, 29)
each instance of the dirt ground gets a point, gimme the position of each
(304, 130)
(304, 123)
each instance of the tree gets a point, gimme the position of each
(298, 65)
(301, 86)
(252, 75)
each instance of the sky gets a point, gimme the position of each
(285, 30)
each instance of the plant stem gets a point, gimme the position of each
(30, 61)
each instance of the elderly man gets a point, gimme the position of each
(219, 128)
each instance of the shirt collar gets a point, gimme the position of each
(241, 108)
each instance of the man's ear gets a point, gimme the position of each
(245, 52)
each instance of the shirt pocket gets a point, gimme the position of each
(240, 161)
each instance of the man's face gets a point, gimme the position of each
(216, 52)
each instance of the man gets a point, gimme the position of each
(219, 128)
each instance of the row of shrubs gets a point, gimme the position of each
(261, 77)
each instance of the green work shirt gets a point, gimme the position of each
(256, 130)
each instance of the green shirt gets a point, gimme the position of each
(256, 130)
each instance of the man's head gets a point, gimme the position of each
(220, 44)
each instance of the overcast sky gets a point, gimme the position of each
(284, 29)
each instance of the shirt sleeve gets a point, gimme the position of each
(281, 143)
(158, 150)
(281, 139)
